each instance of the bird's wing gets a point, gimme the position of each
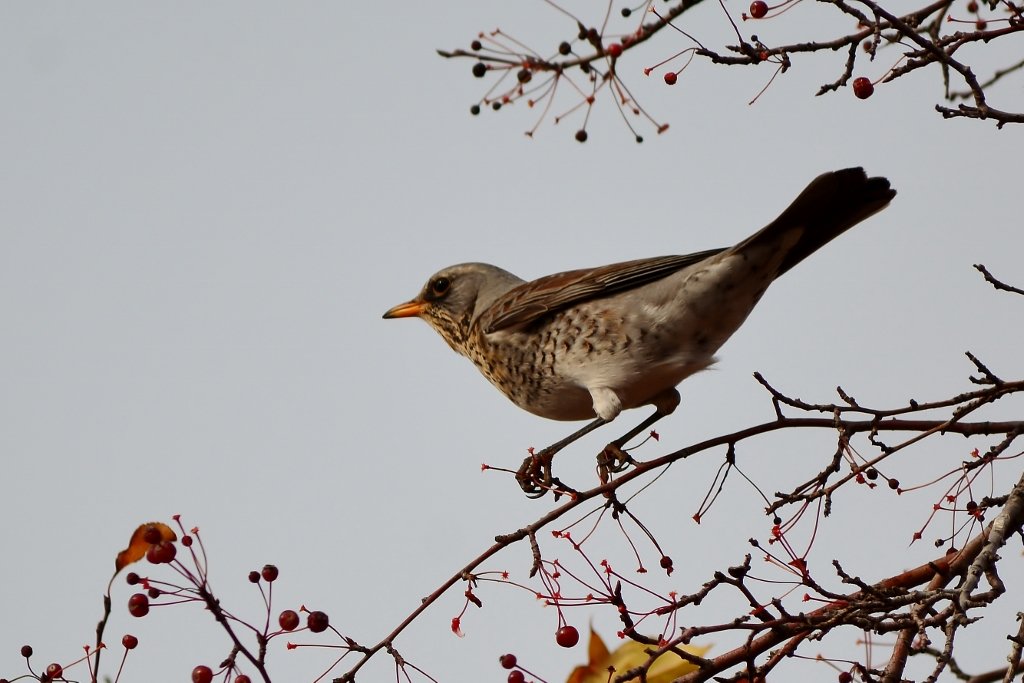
(529, 301)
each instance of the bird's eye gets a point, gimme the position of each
(440, 286)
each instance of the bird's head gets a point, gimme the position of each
(454, 298)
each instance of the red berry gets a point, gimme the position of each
(845, 677)
(894, 484)
(186, 541)
(138, 605)
(54, 671)
(567, 636)
(153, 592)
(666, 562)
(516, 677)
(129, 641)
(254, 576)
(479, 69)
(132, 578)
(26, 651)
(614, 50)
(581, 135)
(981, 24)
(476, 45)
(671, 77)
(317, 622)
(202, 674)
(507, 661)
(289, 620)
(972, 7)
(862, 87)
(161, 552)
(242, 678)
(758, 9)
(564, 48)
(269, 572)
(524, 76)
(152, 535)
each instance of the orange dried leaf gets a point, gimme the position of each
(138, 545)
(597, 651)
(631, 654)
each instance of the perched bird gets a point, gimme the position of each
(596, 341)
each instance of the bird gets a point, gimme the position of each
(590, 343)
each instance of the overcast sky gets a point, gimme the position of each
(205, 209)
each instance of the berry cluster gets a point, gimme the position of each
(158, 543)
(588, 63)
(288, 620)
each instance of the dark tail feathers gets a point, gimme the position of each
(830, 205)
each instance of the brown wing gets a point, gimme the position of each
(531, 300)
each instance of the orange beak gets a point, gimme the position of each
(410, 309)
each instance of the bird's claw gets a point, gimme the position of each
(534, 475)
(612, 460)
(535, 478)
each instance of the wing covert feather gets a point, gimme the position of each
(532, 300)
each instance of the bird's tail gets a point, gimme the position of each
(830, 205)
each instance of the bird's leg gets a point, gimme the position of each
(613, 458)
(534, 475)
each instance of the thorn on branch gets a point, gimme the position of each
(988, 376)
(846, 397)
(998, 284)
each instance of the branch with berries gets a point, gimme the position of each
(586, 64)
(896, 604)
(772, 630)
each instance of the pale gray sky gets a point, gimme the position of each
(205, 208)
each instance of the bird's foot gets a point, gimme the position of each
(534, 475)
(615, 458)
(535, 478)
(612, 460)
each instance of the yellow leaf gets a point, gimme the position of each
(138, 545)
(630, 654)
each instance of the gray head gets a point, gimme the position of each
(454, 298)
